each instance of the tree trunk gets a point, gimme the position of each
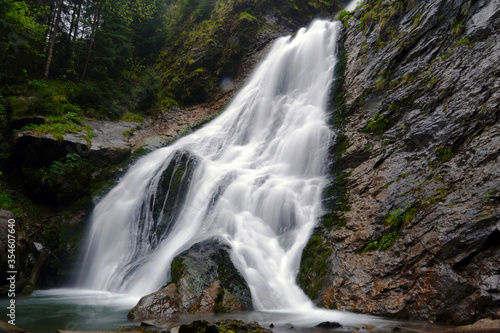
(92, 36)
(53, 39)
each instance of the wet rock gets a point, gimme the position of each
(482, 324)
(170, 194)
(399, 329)
(204, 280)
(158, 305)
(203, 269)
(422, 230)
(329, 325)
(222, 326)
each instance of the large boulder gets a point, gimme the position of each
(204, 280)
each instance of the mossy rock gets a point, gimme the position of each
(205, 263)
(314, 264)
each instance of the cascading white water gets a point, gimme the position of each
(257, 175)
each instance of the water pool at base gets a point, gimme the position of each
(89, 310)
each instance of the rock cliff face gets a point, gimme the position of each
(419, 233)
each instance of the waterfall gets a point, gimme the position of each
(252, 178)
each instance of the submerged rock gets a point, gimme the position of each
(204, 280)
(329, 325)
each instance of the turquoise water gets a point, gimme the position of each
(71, 309)
(86, 310)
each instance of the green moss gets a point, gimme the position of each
(444, 153)
(176, 269)
(128, 133)
(464, 41)
(247, 16)
(395, 220)
(344, 17)
(314, 265)
(382, 13)
(219, 300)
(378, 125)
(133, 117)
(71, 122)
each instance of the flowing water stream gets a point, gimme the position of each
(257, 175)
(251, 178)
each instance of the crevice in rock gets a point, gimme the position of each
(493, 240)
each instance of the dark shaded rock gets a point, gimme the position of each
(18, 123)
(33, 151)
(8, 328)
(399, 329)
(168, 200)
(199, 326)
(329, 325)
(422, 231)
(5, 216)
(29, 264)
(221, 326)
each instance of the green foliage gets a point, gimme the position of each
(463, 41)
(203, 49)
(457, 28)
(378, 125)
(64, 179)
(21, 35)
(382, 13)
(444, 153)
(58, 168)
(6, 201)
(71, 122)
(133, 117)
(128, 133)
(18, 204)
(395, 220)
(344, 16)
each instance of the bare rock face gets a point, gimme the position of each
(204, 280)
(160, 304)
(420, 236)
